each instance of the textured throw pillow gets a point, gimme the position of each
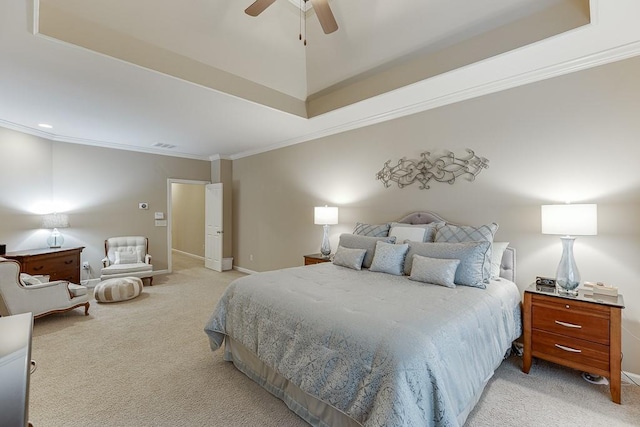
(127, 257)
(354, 241)
(429, 231)
(432, 270)
(470, 271)
(465, 233)
(28, 279)
(497, 250)
(371, 230)
(389, 258)
(351, 258)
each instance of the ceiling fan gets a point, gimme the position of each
(321, 7)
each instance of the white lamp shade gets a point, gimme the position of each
(570, 220)
(325, 215)
(55, 220)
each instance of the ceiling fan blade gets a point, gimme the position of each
(257, 7)
(325, 16)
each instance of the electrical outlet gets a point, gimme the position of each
(85, 265)
(251, 257)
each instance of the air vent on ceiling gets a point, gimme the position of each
(165, 146)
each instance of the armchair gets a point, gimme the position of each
(127, 256)
(40, 298)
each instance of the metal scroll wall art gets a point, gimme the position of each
(446, 168)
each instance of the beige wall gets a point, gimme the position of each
(98, 187)
(570, 138)
(187, 218)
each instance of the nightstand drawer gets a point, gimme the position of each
(572, 323)
(559, 347)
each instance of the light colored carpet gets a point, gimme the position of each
(147, 362)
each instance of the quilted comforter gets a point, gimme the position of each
(382, 349)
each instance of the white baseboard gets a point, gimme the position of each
(188, 254)
(90, 283)
(244, 270)
(634, 377)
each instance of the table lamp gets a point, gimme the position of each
(325, 216)
(569, 220)
(55, 221)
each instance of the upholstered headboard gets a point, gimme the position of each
(508, 264)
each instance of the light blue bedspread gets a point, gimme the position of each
(385, 350)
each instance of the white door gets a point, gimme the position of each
(213, 227)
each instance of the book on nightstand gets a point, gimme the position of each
(600, 288)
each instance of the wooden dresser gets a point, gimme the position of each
(58, 263)
(581, 332)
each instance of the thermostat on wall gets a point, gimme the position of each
(143, 205)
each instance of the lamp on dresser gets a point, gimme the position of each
(325, 216)
(55, 221)
(569, 220)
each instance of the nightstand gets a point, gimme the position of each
(581, 332)
(315, 259)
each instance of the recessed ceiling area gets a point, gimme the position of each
(381, 45)
(209, 81)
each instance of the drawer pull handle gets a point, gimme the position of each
(572, 350)
(69, 261)
(40, 267)
(568, 325)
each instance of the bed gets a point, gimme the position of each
(348, 347)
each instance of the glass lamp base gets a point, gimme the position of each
(325, 249)
(567, 275)
(55, 240)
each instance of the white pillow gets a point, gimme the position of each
(127, 256)
(497, 251)
(28, 279)
(432, 270)
(414, 234)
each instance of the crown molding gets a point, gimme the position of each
(618, 53)
(83, 141)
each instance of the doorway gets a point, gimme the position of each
(185, 223)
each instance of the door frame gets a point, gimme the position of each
(169, 214)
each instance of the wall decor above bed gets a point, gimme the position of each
(445, 168)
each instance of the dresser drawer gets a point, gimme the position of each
(48, 264)
(561, 348)
(70, 275)
(572, 323)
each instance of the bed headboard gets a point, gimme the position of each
(508, 264)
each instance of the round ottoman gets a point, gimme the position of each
(118, 289)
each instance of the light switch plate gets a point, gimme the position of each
(161, 222)
(159, 215)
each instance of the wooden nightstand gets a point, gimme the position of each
(315, 259)
(580, 332)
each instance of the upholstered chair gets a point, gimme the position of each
(16, 296)
(127, 256)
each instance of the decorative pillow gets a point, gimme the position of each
(389, 258)
(497, 250)
(465, 233)
(470, 271)
(28, 279)
(380, 230)
(432, 270)
(351, 258)
(429, 231)
(354, 241)
(127, 256)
